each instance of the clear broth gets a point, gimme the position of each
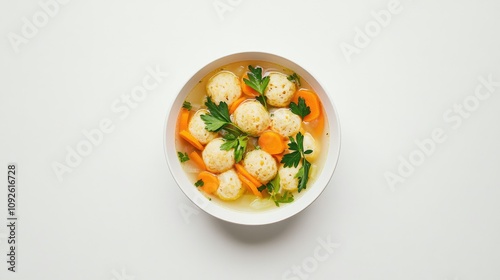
(197, 98)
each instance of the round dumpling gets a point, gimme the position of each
(284, 122)
(230, 187)
(310, 144)
(260, 165)
(280, 90)
(224, 86)
(288, 182)
(197, 128)
(251, 117)
(215, 159)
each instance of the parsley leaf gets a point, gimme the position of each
(295, 145)
(218, 120)
(301, 109)
(287, 197)
(274, 185)
(273, 188)
(183, 157)
(294, 78)
(187, 105)
(303, 174)
(295, 157)
(218, 117)
(240, 149)
(257, 82)
(300, 141)
(291, 159)
(239, 144)
(212, 123)
(199, 183)
(229, 144)
(255, 79)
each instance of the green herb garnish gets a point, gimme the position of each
(187, 105)
(273, 188)
(286, 197)
(257, 82)
(262, 100)
(183, 157)
(294, 78)
(199, 183)
(295, 157)
(219, 119)
(301, 109)
(239, 144)
(303, 174)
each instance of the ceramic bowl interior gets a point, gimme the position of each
(258, 217)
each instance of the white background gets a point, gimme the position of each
(119, 214)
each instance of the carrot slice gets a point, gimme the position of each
(236, 104)
(196, 158)
(183, 119)
(271, 142)
(312, 101)
(249, 184)
(278, 157)
(210, 181)
(245, 173)
(317, 125)
(190, 139)
(245, 181)
(247, 90)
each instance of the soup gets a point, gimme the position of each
(252, 135)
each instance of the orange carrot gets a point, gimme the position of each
(210, 181)
(278, 157)
(317, 125)
(271, 142)
(247, 90)
(249, 184)
(245, 181)
(247, 175)
(198, 160)
(183, 119)
(236, 104)
(311, 100)
(190, 139)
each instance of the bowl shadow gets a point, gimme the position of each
(256, 234)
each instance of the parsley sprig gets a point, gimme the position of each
(199, 183)
(219, 120)
(295, 157)
(286, 197)
(301, 109)
(183, 157)
(273, 188)
(187, 105)
(239, 144)
(218, 117)
(294, 78)
(258, 83)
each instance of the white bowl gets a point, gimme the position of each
(259, 217)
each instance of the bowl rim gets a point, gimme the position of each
(259, 217)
